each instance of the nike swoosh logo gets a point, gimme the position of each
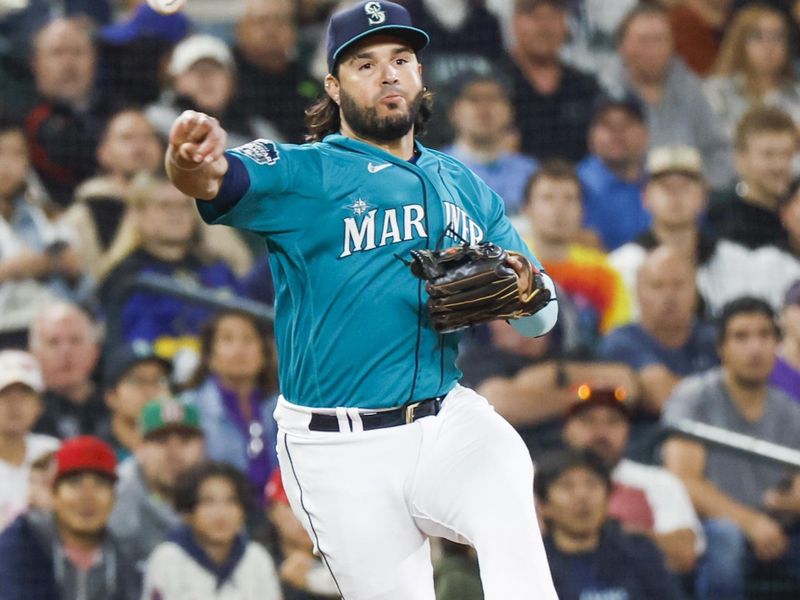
(377, 168)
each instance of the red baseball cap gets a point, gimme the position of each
(85, 453)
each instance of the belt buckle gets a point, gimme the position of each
(410, 409)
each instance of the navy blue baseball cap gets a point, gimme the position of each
(125, 357)
(366, 18)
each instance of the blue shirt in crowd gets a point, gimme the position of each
(611, 206)
(632, 345)
(508, 175)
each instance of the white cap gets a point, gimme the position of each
(17, 366)
(196, 48)
(675, 159)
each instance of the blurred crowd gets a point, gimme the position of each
(648, 154)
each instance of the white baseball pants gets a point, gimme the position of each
(370, 499)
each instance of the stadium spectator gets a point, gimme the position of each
(645, 499)
(235, 389)
(754, 68)
(555, 212)
(552, 100)
(66, 342)
(670, 342)
(677, 111)
(613, 174)
(766, 142)
(133, 50)
(589, 555)
(68, 552)
(593, 26)
(482, 117)
(740, 497)
(275, 85)
(128, 145)
(172, 443)
(697, 28)
(203, 78)
(531, 382)
(786, 374)
(209, 556)
(675, 196)
(21, 386)
(134, 375)
(460, 27)
(300, 568)
(65, 125)
(162, 239)
(37, 262)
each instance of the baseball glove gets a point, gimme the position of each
(473, 284)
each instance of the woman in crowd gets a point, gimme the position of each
(754, 67)
(209, 557)
(235, 389)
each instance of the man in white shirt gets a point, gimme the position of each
(645, 499)
(21, 385)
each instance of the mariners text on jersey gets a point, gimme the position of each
(338, 217)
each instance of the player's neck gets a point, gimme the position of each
(402, 148)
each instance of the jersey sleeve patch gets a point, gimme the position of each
(263, 152)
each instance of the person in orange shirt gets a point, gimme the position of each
(555, 211)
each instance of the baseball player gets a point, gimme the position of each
(379, 446)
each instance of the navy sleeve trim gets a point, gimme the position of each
(235, 185)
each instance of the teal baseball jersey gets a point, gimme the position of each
(351, 322)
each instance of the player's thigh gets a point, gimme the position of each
(475, 473)
(350, 493)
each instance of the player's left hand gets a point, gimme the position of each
(474, 284)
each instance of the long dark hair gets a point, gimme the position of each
(267, 378)
(322, 117)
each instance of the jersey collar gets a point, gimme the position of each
(337, 139)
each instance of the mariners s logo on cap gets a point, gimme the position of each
(375, 13)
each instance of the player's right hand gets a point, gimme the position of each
(196, 138)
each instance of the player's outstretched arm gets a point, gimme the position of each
(195, 162)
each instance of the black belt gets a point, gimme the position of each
(402, 415)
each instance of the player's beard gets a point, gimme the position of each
(366, 123)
